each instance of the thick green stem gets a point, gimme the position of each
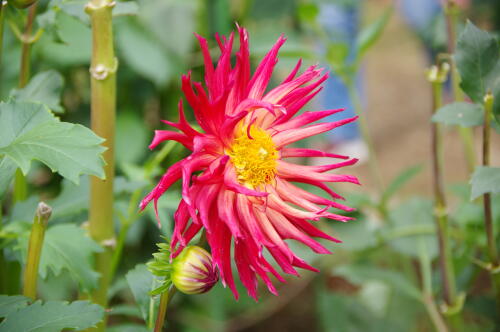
(37, 235)
(103, 102)
(488, 218)
(367, 138)
(437, 77)
(162, 311)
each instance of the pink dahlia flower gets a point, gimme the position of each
(237, 184)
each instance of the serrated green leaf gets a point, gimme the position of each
(140, 281)
(67, 247)
(53, 316)
(29, 131)
(9, 304)
(44, 88)
(476, 56)
(370, 34)
(485, 180)
(460, 114)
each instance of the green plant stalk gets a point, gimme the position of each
(37, 235)
(427, 295)
(488, 218)
(445, 259)
(365, 133)
(451, 15)
(103, 104)
(162, 311)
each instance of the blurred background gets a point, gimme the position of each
(372, 282)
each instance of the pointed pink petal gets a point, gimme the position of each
(293, 135)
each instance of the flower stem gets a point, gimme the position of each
(162, 311)
(37, 235)
(103, 102)
(488, 218)
(451, 15)
(367, 138)
(437, 76)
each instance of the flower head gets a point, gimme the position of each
(242, 194)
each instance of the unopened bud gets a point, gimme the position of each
(193, 271)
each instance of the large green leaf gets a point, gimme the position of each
(461, 114)
(140, 281)
(9, 304)
(477, 57)
(485, 180)
(29, 131)
(53, 316)
(44, 88)
(67, 247)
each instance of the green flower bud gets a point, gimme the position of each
(21, 3)
(193, 271)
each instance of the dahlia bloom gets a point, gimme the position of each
(237, 184)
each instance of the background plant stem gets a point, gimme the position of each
(103, 104)
(3, 7)
(488, 218)
(445, 259)
(37, 235)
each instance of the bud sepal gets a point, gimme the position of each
(191, 272)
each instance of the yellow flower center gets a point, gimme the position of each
(254, 157)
